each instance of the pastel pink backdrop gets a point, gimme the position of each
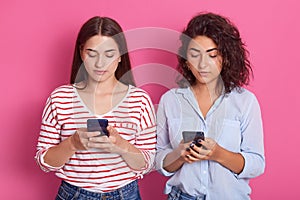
(37, 40)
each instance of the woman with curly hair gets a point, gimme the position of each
(211, 99)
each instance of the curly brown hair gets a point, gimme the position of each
(236, 67)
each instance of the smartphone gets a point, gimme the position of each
(189, 136)
(98, 125)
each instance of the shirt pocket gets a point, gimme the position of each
(177, 125)
(127, 129)
(230, 137)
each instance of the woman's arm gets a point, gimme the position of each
(233, 161)
(175, 159)
(210, 150)
(57, 156)
(131, 155)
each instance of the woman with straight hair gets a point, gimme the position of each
(102, 163)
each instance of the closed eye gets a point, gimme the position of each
(110, 53)
(213, 56)
(194, 55)
(91, 53)
(213, 53)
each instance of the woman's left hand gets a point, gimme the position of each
(208, 150)
(113, 144)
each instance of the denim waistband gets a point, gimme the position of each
(178, 193)
(125, 189)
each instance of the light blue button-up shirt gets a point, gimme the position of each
(234, 122)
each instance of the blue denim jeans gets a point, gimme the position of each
(70, 192)
(177, 194)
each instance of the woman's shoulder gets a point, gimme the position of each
(176, 92)
(242, 95)
(139, 94)
(242, 92)
(137, 91)
(63, 90)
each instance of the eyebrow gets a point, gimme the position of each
(208, 50)
(93, 50)
(110, 50)
(212, 49)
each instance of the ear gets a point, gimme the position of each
(119, 60)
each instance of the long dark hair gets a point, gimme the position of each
(236, 67)
(106, 27)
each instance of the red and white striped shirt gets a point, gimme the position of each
(94, 170)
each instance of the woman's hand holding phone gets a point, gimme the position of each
(110, 140)
(205, 150)
(113, 144)
(194, 138)
(80, 139)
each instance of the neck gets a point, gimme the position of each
(212, 90)
(107, 86)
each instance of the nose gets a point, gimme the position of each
(100, 62)
(203, 62)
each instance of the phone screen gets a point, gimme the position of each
(189, 136)
(97, 125)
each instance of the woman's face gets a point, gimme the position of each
(204, 60)
(101, 57)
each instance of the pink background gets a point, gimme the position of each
(37, 41)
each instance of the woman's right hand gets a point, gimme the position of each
(59, 155)
(175, 159)
(80, 139)
(183, 152)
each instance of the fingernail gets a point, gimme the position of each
(199, 140)
(188, 149)
(192, 145)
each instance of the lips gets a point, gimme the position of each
(203, 73)
(99, 72)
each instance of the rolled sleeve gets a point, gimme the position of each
(159, 161)
(252, 148)
(253, 167)
(146, 142)
(163, 142)
(146, 139)
(40, 161)
(49, 135)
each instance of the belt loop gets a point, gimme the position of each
(120, 190)
(178, 192)
(77, 193)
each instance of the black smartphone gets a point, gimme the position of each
(98, 125)
(189, 136)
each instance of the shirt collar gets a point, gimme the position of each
(187, 93)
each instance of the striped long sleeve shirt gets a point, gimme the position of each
(93, 169)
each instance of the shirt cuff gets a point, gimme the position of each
(45, 165)
(160, 161)
(253, 167)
